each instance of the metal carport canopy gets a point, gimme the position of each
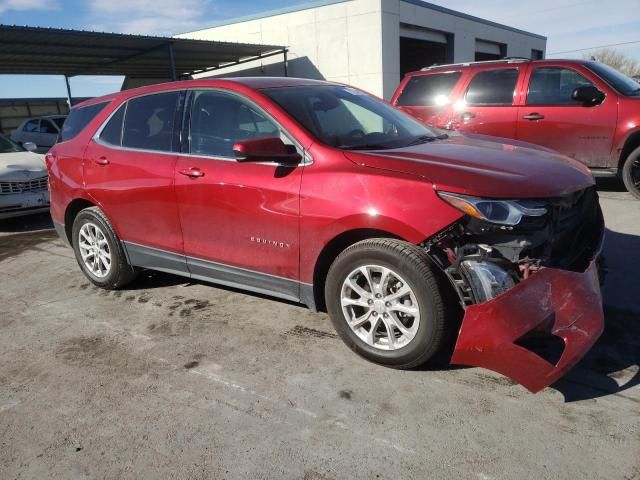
(52, 51)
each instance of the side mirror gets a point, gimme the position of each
(267, 149)
(29, 146)
(588, 95)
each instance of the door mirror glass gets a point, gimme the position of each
(30, 146)
(588, 95)
(266, 149)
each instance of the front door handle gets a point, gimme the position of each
(103, 161)
(466, 116)
(533, 116)
(192, 172)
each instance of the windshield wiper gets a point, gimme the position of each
(427, 138)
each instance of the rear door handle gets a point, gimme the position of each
(533, 116)
(468, 116)
(101, 161)
(192, 172)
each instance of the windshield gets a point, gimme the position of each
(7, 146)
(349, 119)
(620, 82)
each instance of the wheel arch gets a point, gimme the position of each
(630, 144)
(329, 253)
(70, 214)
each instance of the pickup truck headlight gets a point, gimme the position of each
(501, 212)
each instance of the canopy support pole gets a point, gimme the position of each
(286, 63)
(69, 101)
(172, 63)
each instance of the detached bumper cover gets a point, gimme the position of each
(557, 302)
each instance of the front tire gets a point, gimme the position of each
(386, 304)
(631, 173)
(99, 251)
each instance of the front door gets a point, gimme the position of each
(550, 117)
(240, 221)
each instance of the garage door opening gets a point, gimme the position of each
(416, 54)
(490, 50)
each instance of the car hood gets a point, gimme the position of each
(474, 165)
(21, 166)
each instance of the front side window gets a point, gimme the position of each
(32, 126)
(219, 120)
(492, 87)
(47, 127)
(149, 122)
(554, 86)
(78, 119)
(427, 90)
(59, 121)
(347, 118)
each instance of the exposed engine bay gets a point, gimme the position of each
(483, 260)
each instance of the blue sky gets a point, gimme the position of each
(568, 24)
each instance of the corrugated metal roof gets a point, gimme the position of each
(34, 50)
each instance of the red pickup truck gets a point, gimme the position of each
(583, 109)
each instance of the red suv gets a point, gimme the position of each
(583, 109)
(320, 193)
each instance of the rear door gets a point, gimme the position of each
(488, 103)
(240, 220)
(550, 117)
(426, 96)
(129, 170)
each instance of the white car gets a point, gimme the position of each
(23, 180)
(43, 131)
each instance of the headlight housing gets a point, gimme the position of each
(501, 212)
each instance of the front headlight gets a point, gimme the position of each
(502, 212)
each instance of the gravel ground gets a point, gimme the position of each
(173, 379)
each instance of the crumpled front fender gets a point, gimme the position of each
(557, 302)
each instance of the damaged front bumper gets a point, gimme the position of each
(553, 303)
(531, 292)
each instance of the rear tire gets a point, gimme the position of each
(631, 173)
(99, 252)
(386, 304)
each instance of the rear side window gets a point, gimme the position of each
(428, 89)
(149, 122)
(78, 119)
(112, 131)
(554, 86)
(31, 126)
(492, 87)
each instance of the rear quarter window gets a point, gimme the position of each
(427, 90)
(78, 119)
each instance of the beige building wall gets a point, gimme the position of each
(358, 41)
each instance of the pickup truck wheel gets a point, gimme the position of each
(631, 173)
(385, 302)
(99, 251)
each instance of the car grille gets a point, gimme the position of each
(35, 185)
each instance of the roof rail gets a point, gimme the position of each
(465, 64)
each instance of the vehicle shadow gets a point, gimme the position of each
(29, 223)
(612, 366)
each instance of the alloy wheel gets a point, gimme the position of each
(94, 250)
(380, 307)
